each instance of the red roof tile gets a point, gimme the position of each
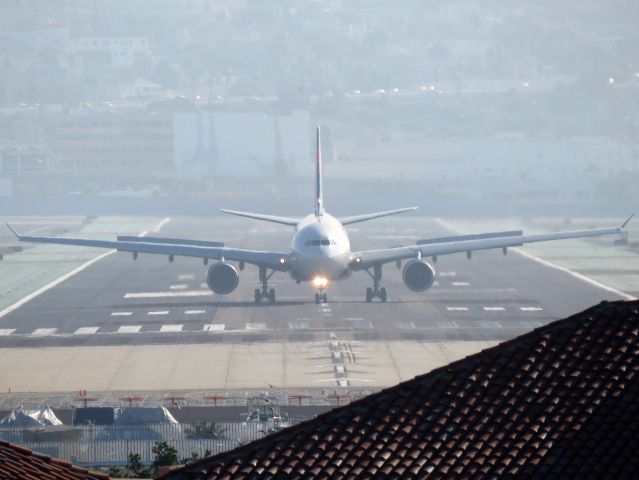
(559, 402)
(18, 463)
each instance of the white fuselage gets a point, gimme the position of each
(320, 248)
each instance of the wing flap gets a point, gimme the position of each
(171, 241)
(463, 238)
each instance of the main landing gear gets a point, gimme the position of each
(265, 293)
(376, 291)
(320, 297)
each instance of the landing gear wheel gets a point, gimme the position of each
(369, 295)
(258, 295)
(271, 295)
(324, 298)
(317, 298)
(382, 294)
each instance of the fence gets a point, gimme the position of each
(111, 445)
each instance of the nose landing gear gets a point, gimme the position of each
(265, 293)
(376, 291)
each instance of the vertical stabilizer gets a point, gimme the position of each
(319, 199)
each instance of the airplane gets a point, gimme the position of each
(320, 250)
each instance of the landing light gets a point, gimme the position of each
(282, 261)
(320, 282)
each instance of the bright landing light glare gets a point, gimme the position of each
(320, 282)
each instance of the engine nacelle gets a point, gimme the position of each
(222, 278)
(418, 275)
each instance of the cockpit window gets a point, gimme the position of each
(320, 242)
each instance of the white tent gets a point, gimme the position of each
(20, 418)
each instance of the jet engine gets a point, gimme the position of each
(418, 275)
(222, 278)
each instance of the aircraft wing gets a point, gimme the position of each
(466, 243)
(208, 250)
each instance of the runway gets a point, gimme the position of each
(121, 302)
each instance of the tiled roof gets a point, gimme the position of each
(18, 463)
(559, 402)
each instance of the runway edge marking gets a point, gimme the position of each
(68, 275)
(546, 263)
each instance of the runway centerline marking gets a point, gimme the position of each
(129, 328)
(158, 312)
(186, 276)
(86, 330)
(44, 331)
(457, 309)
(194, 312)
(530, 309)
(495, 309)
(68, 275)
(173, 328)
(460, 284)
(6, 331)
(179, 286)
(121, 314)
(447, 274)
(187, 293)
(255, 326)
(214, 327)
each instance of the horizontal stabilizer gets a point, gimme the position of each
(465, 238)
(267, 218)
(169, 241)
(370, 216)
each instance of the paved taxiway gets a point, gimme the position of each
(118, 302)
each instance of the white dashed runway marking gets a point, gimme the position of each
(494, 309)
(171, 328)
(121, 314)
(129, 329)
(460, 284)
(86, 330)
(6, 331)
(186, 293)
(194, 312)
(298, 324)
(44, 331)
(185, 277)
(181, 286)
(530, 309)
(158, 312)
(457, 309)
(256, 326)
(447, 274)
(214, 327)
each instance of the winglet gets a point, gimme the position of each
(14, 232)
(623, 225)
